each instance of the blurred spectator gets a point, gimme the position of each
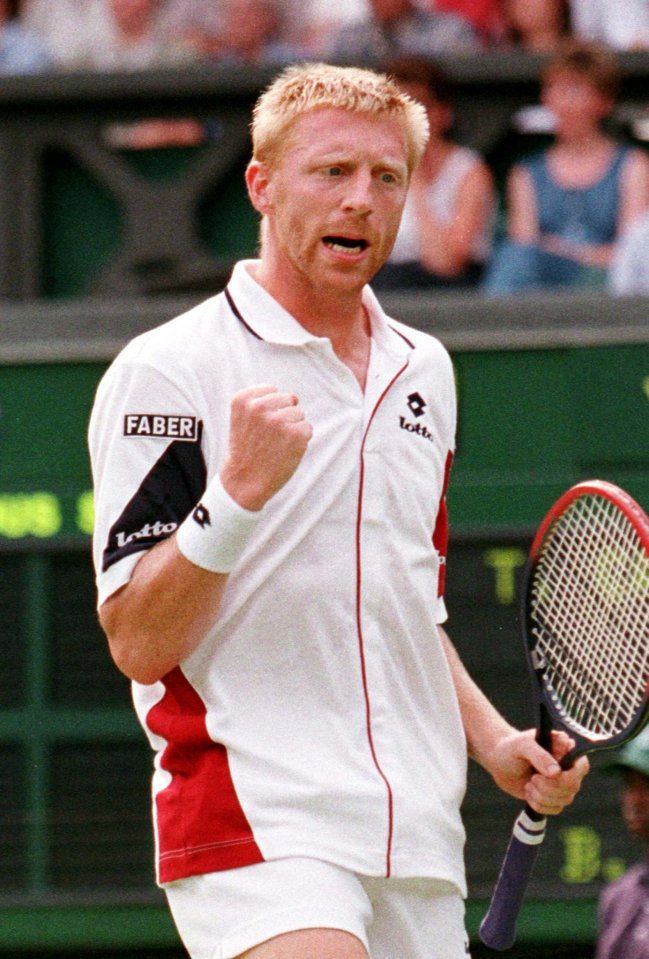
(538, 26)
(320, 20)
(567, 204)
(484, 15)
(21, 50)
(629, 273)
(253, 32)
(189, 22)
(190, 15)
(106, 34)
(118, 35)
(619, 24)
(395, 28)
(444, 237)
(624, 904)
(214, 26)
(64, 26)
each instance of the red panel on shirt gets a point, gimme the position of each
(440, 535)
(201, 825)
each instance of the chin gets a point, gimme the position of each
(347, 282)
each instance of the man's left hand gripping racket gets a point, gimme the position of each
(586, 628)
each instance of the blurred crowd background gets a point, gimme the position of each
(40, 35)
(571, 211)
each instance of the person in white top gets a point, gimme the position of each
(619, 24)
(108, 34)
(270, 474)
(628, 274)
(444, 238)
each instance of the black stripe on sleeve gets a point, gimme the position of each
(167, 494)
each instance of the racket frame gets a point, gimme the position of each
(498, 928)
(549, 717)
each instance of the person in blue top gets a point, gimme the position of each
(21, 50)
(567, 204)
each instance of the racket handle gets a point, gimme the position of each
(498, 928)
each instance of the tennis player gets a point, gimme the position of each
(270, 473)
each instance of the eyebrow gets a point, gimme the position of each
(340, 157)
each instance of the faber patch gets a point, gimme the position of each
(161, 426)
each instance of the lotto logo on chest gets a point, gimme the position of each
(417, 408)
(161, 426)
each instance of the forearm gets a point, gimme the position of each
(588, 254)
(484, 726)
(162, 614)
(173, 598)
(516, 762)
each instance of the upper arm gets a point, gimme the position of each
(146, 476)
(634, 188)
(474, 208)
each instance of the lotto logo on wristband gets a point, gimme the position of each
(201, 515)
(161, 426)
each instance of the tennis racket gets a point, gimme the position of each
(586, 631)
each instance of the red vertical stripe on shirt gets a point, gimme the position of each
(359, 629)
(440, 534)
(201, 825)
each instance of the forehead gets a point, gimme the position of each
(331, 130)
(566, 76)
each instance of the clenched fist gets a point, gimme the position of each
(269, 435)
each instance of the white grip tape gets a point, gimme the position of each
(215, 533)
(530, 831)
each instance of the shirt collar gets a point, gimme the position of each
(269, 321)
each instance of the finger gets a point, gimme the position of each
(252, 392)
(551, 795)
(288, 414)
(275, 401)
(545, 801)
(561, 744)
(578, 770)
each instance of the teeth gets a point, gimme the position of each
(345, 247)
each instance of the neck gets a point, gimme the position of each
(320, 310)
(579, 140)
(339, 316)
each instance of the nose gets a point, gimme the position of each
(357, 197)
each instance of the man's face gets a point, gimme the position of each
(333, 198)
(635, 804)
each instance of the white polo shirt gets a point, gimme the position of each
(318, 718)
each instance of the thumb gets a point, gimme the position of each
(542, 761)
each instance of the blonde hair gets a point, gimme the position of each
(304, 87)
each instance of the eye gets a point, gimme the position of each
(334, 171)
(387, 177)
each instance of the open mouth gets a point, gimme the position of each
(345, 244)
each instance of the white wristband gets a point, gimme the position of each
(216, 531)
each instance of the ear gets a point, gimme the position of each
(259, 184)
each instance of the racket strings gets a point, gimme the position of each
(589, 615)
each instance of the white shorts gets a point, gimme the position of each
(222, 914)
